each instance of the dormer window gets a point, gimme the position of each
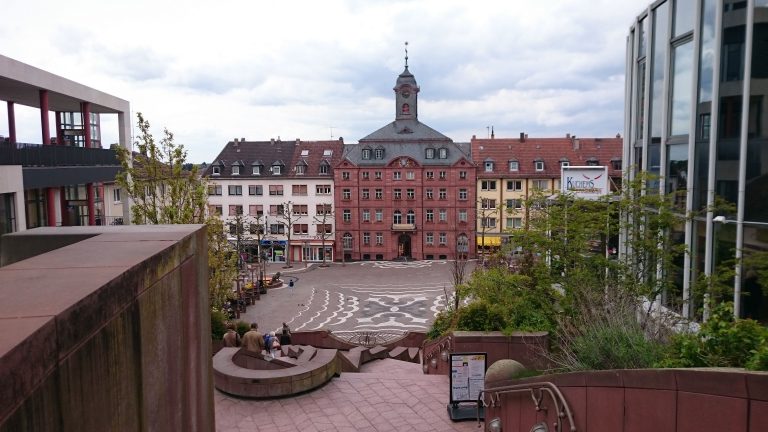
(592, 162)
(235, 170)
(443, 153)
(324, 167)
(379, 154)
(616, 163)
(564, 162)
(327, 153)
(514, 165)
(305, 153)
(488, 166)
(538, 165)
(276, 169)
(301, 169)
(256, 170)
(366, 153)
(216, 170)
(430, 153)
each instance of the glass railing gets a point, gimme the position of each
(26, 154)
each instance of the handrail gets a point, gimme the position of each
(561, 405)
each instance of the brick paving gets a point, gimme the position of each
(389, 395)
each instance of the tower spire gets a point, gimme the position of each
(406, 54)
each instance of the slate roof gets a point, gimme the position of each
(269, 153)
(577, 151)
(413, 150)
(405, 131)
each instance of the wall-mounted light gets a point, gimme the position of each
(444, 355)
(433, 362)
(494, 425)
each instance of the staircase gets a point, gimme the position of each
(353, 359)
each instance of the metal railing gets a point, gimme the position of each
(537, 391)
(369, 338)
(26, 154)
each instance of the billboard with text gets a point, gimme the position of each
(588, 182)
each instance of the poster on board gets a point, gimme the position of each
(467, 377)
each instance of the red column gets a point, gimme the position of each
(59, 132)
(44, 124)
(91, 204)
(11, 123)
(85, 107)
(63, 205)
(50, 202)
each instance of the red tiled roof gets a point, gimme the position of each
(578, 151)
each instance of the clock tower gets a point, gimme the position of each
(406, 92)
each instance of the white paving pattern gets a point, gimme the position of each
(355, 307)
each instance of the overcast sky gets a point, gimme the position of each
(212, 71)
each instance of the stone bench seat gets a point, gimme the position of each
(275, 378)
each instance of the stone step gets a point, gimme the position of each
(399, 353)
(413, 354)
(307, 352)
(392, 368)
(350, 360)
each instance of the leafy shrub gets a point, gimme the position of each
(441, 325)
(759, 359)
(242, 327)
(722, 342)
(480, 316)
(218, 326)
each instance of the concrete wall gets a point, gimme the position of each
(108, 333)
(664, 400)
(12, 181)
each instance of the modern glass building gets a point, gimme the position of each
(697, 115)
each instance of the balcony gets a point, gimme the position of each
(37, 155)
(403, 227)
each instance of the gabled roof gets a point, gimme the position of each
(415, 151)
(269, 153)
(551, 151)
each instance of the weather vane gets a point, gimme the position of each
(406, 53)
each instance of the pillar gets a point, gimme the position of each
(85, 108)
(11, 123)
(63, 204)
(91, 204)
(50, 203)
(59, 132)
(44, 124)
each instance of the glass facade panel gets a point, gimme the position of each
(707, 58)
(754, 284)
(660, 43)
(677, 174)
(756, 207)
(681, 89)
(685, 11)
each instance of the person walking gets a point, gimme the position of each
(253, 340)
(231, 337)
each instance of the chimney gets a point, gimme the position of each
(493, 135)
(618, 135)
(576, 143)
(242, 139)
(341, 139)
(235, 140)
(298, 141)
(522, 136)
(272, 141)
(526, 136)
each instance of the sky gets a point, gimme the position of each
(213, 71)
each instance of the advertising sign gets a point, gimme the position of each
(467, 376)
(587, 182)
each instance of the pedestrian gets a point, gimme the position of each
(253, 340)
(285, 336)
(290, 286)
(231, 337)
(274, 345)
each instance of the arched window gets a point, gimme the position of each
(443, 152)
(398, 217)
(410, 218)
(346, 241)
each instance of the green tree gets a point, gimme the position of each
(163, 192)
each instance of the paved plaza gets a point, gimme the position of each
(387, 395)
(363, 296)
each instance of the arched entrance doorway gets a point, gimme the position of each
(404, 246)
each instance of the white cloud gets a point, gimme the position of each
(214, 71)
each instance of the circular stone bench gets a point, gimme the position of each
(249, 374)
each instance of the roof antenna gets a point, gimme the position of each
(406, 54)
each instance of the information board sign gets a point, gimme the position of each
(467, 376)
(588, 182)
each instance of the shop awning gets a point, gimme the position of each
(489, 241)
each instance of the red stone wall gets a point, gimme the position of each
(108, 333)
(664, 400)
